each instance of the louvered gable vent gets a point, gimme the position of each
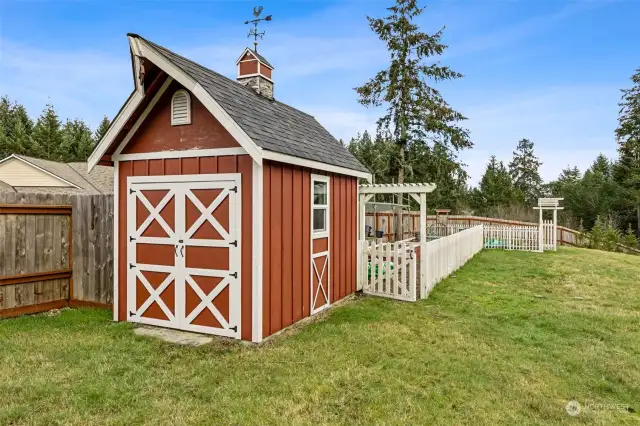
(180, 108)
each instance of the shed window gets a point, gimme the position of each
(180, 108)
(320, 206)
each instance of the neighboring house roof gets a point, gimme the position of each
(69, 178)
(5, 187)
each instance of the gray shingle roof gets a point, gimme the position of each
(272, 125)
(99, 181)
(261, 58)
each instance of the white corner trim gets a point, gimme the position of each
(207, 100)
(257, 252)
(144, 115)
(290, 159)
(116, 126)
(53, 175)
(190, 153)
(115, 236)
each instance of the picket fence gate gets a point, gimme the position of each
(389, 269)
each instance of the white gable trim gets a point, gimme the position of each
(116, 126)
(207, 100)
(143, 116)
(53, 175)
(289, 159)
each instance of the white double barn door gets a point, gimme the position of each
(184, 252)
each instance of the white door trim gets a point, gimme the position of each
(179, 189)
(326, 269)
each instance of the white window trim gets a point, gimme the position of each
(326, 207)
(175, 122)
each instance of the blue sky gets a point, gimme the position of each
(549, 71)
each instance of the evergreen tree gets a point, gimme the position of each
(524, 171)
(374, 154)
(47, 135)
(20, 141)
(496, 187)
(102, 129)
(628, 137)
(416, 112)
(77, 142)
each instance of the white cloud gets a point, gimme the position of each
(84, 83)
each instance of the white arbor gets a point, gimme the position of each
(417, 191)
(552, 204)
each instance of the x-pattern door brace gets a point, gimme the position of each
(155, 213)
(207, 214)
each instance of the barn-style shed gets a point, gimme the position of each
(236, 214)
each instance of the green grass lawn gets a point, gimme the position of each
(508, 340)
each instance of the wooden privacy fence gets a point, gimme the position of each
(411, 225)
(389, 269)
(445, 255)
(55, 250)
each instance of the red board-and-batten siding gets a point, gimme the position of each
(287, 242)
(286, 210)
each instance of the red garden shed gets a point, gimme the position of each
(236, 214)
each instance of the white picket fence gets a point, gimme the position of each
(520, 238)
(389, 269)
(445, 255)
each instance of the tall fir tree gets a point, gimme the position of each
(415, 111)
(525, 172)
(47, 135)
(77, 142)
(627, 170)
(102, 129)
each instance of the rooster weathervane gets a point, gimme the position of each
(254, 31)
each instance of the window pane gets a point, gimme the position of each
(320, 193)
(319, 220)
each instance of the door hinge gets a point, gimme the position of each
(234, 328)
(132, 314)
(131, 239)
(234, 243)
(131, 191)
(234, 189)
(131, 266)
(234, 275)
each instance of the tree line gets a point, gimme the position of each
(419, 137)
(47, 138)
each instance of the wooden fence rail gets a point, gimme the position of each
(411, 225)
(55, 250)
